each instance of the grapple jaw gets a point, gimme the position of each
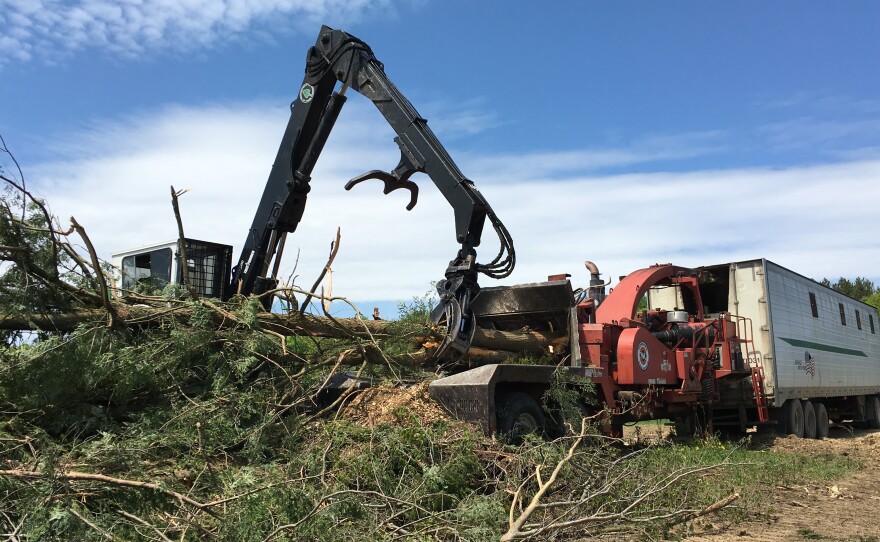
(453, 312)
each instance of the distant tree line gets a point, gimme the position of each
(860, 288)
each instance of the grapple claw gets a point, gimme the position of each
(459, 326)
(448, 314)
(392, 183)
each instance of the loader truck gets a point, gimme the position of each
(337, 63)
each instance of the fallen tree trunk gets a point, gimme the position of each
(131, 315)
(283, 324)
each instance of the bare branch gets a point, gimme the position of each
(99, 273)
(334, 249)
(516, 525)
(181, 243)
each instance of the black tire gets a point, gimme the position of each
(684, 426)
(728, 432)
(809, 419)
(822, 422)
(564, 423)
(703, 420)
(518, 414)
(794, 418)
(872, 412)
(780, 416)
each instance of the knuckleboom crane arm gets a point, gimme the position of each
(340, 57)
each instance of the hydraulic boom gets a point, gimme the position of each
(338, 57)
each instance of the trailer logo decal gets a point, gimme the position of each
(809, 364)
(306, 93)
(643, 356)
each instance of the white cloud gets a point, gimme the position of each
(818, 220)
(649, 149)
(828, 125)
(131, 28)
(817, 101)
(809, 133)
(453, 119)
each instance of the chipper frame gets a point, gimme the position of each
(659, 361)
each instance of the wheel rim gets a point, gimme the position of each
(525, 423)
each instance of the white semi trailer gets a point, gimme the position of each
(819, 349)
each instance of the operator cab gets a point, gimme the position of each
(155, 266)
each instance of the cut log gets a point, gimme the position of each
(533, 342)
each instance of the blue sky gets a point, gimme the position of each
(623, 132)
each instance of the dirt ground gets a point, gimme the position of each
(844, 510)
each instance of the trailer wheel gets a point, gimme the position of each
(872, 412)
(794, 418)
(519, 415)
(821, 420)
(809, 419)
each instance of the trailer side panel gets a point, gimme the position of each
(819, 349)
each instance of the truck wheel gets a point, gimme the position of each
(684, 426)
(794, 418)
(519, 415)
(565, 422)
(821, 420)
(872, 412)
(809, 420)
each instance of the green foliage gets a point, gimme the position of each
(567, 400)
(873, 300)
(418, 311)
(26, 283)
(413, 318)
(643, 304)
(809, 534)
(217, 414)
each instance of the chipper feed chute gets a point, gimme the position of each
(543, 306)
(540, 306)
